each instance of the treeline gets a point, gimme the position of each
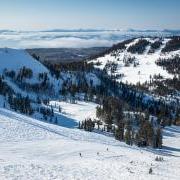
(56, 69)
(172, 65)
(172, 45)
(139, 47)
(132, 128)
(22, 74)
(136, 100)
(162, 87)
(26, 73)
(21, 104)
(166, 86)
(4, 88)
(155, 46)
(120, 46)
(87, 125)
(16, 101)
(130, 61)
(76, 79)
(75, 82)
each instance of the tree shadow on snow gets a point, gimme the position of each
(171, 149)
(165, 151)
(67, 122)
(170, 131)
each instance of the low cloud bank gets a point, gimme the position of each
(70, 38)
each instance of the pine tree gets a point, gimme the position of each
(159, 138)
(60, 109)
(128, 134)
(119, 133)
(56, 121)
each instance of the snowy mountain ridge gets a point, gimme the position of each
(132, 66)
(15, 59)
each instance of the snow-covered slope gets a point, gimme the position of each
(78, 111)
(31, 149)
(14, 59)
(143, 64)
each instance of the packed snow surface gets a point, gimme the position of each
(31, 149)
(78, 111)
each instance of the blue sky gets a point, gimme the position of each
(109, 14)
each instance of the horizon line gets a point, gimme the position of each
(90, 29)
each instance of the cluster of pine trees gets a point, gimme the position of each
(168, 86)
(21, 104)
(80, 85)
(155, 45)
(23, 73)
(111, 67)
(139, 47)
(120, 46)
(172, 65)
(87, 125)
(142, 133)
(46, 112)
(16, 101)
(147, 135)
(56, 69)
(5, 90)
(172, 45)
(130, 61)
